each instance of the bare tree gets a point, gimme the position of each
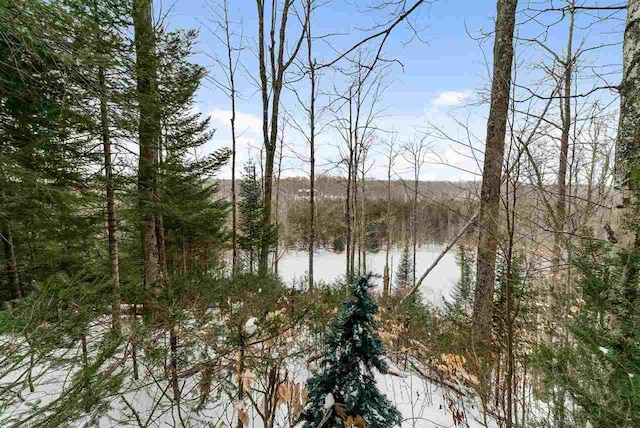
(232, 65)
(391, 155)
(229, 66)
(492, 171)
(415, 152)
(355, 111)
(561, 204)
(311, 64)
(271, 91)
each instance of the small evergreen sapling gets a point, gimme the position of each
(404, 274)
(462, 293)
(344, 393)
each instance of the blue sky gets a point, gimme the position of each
(441, 74)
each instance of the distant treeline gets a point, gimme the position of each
(436, 221)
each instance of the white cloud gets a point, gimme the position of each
(451, 98)
(245, 122)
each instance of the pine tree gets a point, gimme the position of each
(47, 220)
(600, 371)
(404, 274)
(193, 216)
(462, 293)
(346, 376)
(251, 206)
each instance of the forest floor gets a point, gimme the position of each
(46, 389)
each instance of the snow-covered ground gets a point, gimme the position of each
(149, 401)
(148, 404)
(329, 266)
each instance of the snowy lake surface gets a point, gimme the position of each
(329, 266)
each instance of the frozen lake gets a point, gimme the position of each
(328, 266)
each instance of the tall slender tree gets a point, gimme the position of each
(391, 155)
(271, 91)
(312, 138)
(149, 137)
(488, 221)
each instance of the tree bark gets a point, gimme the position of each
(149, 135)
(240, 367)
(491, 177)
(628, 140)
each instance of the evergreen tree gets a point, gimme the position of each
(600, 371)
(252, 231)
(462, 293)
(344, 392)
(47, 214)
(192, 214)
(404, 274)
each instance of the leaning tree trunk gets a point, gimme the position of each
(491, 177)
(149, 135)
(628, 144)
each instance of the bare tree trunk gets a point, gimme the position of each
(312, 150)
(160, 235)
(628, 142)
(240, 366)
(232, 94)
(347, 215)
(363, 218)
(561, 206)
(271, 116)
(389, 220)
(108, 175)
(354, 208)
(112, 228)
(491, 177)
(414, 223)
(13, 279)
(277, 257)
(173, 347)
(385, 279)
(149, 135)
(349, 208)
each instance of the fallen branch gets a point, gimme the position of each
(436, 380)
(442, 254)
